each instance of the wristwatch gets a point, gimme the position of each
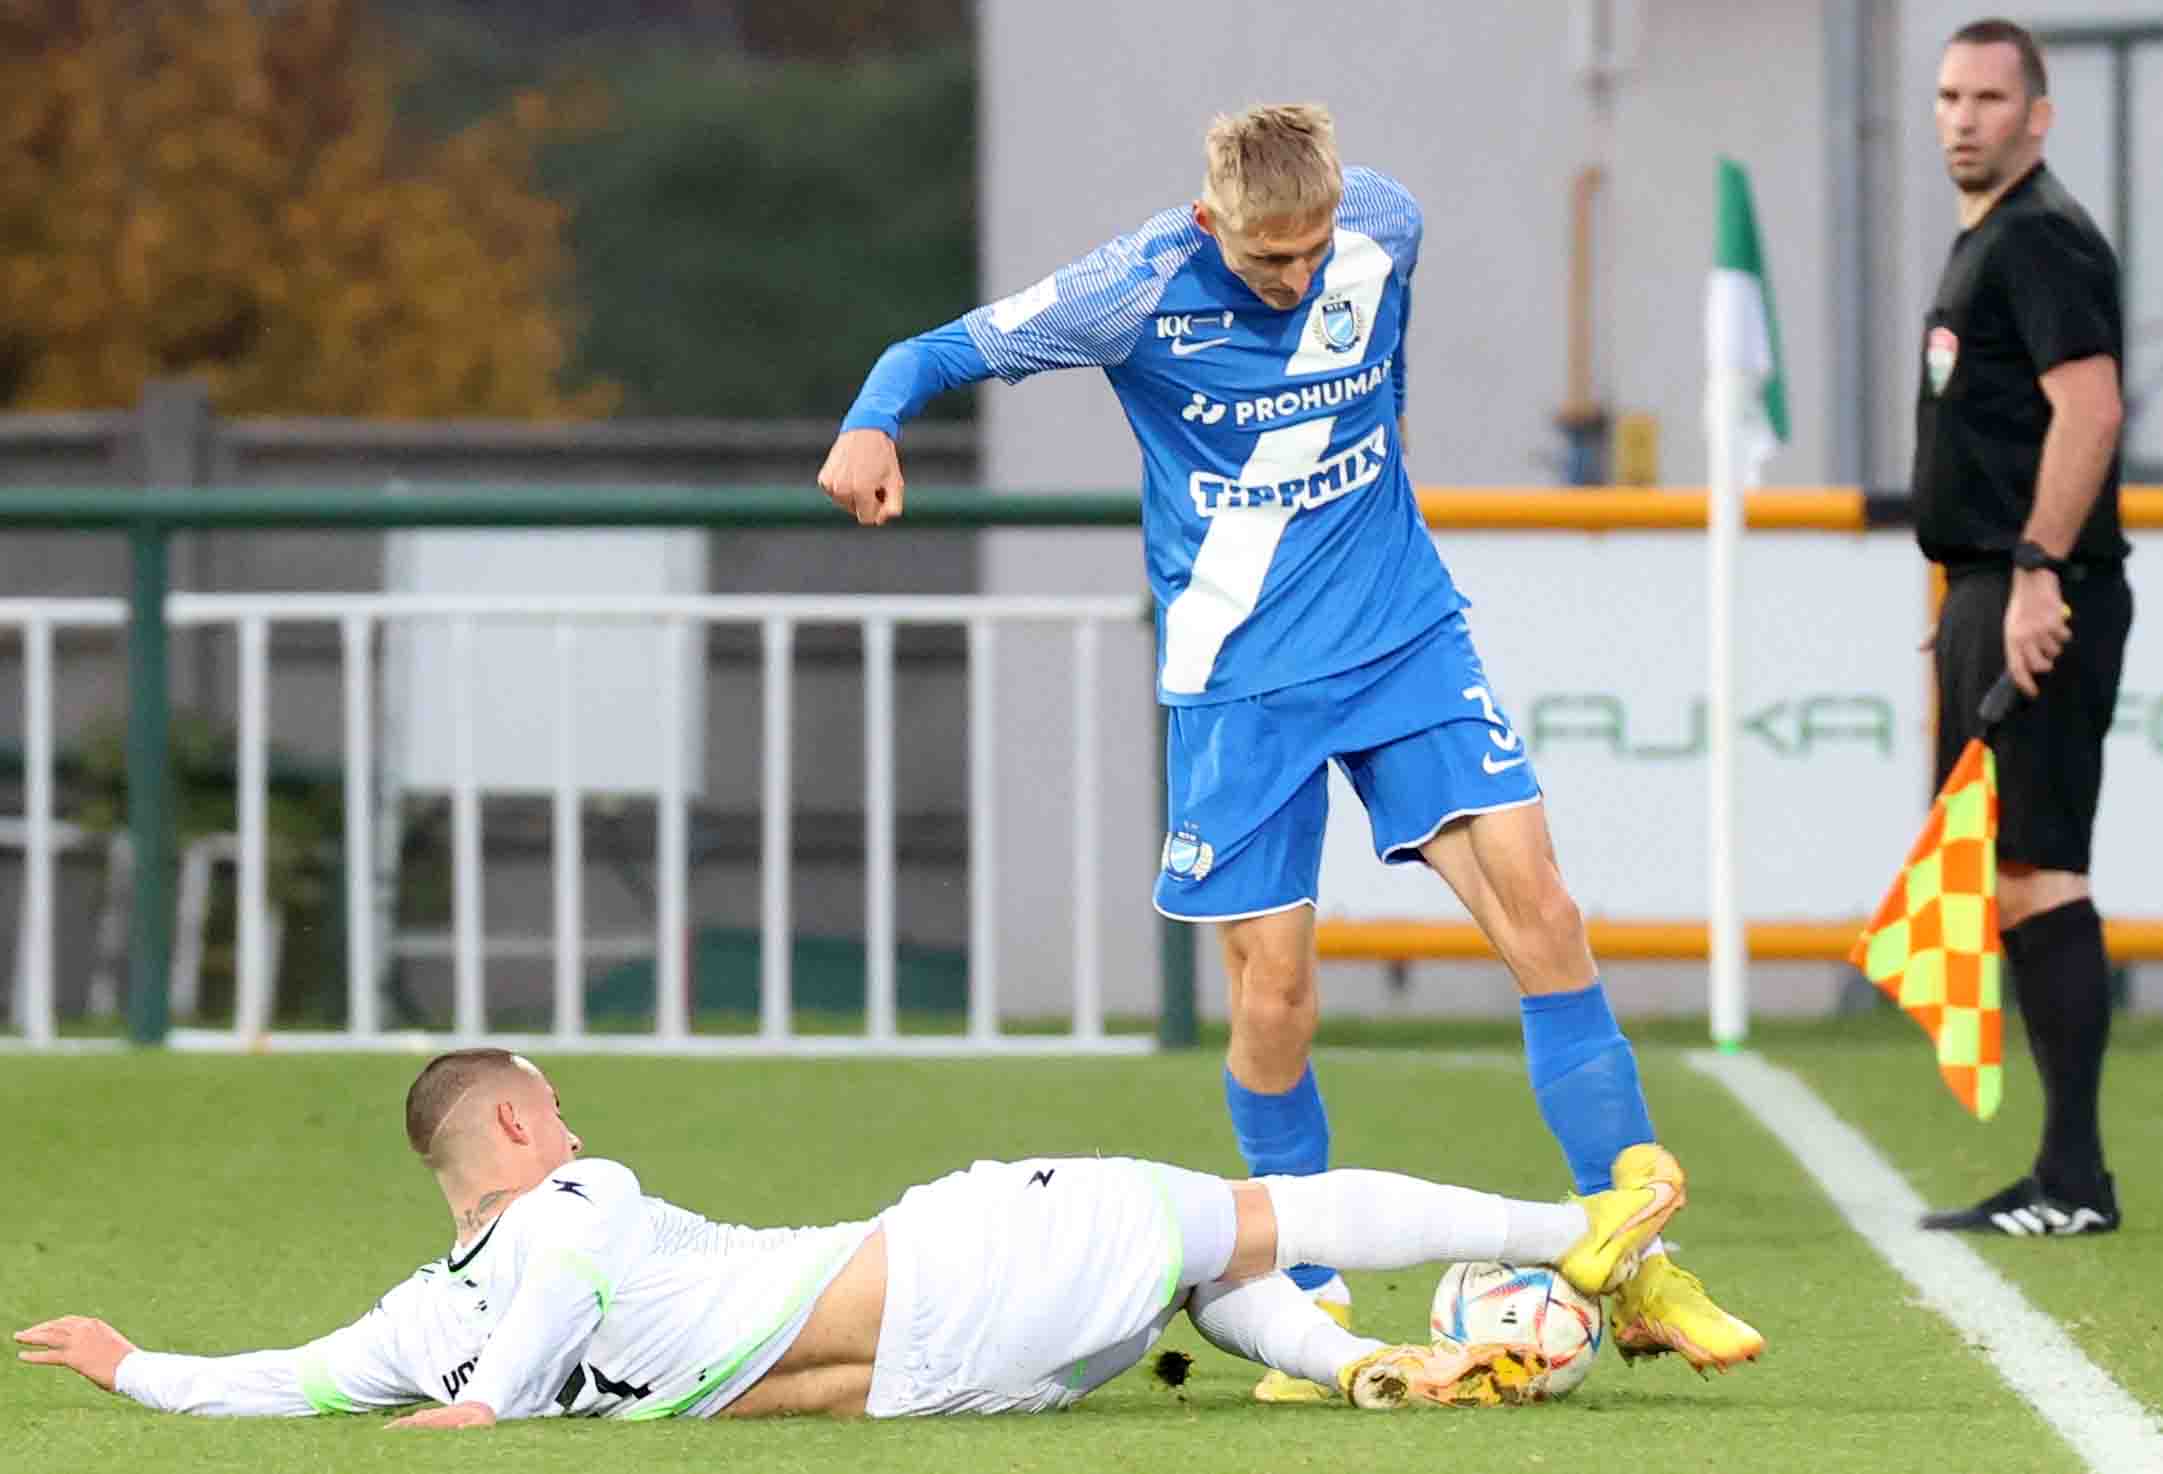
(2029, 556)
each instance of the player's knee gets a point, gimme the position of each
(1273, 1009)
(1273, 1015)
(1542, 912)
(1276, 982)
(1271, 1039)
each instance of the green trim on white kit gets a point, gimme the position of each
(733, 1360)
(322, 1393)
(1175, 1246)
(582, 1265)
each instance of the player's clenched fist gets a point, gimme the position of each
(79, 1343)
(862, 475)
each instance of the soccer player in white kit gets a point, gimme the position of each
(1010, 1287)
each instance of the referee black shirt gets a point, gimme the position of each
(2031, 285)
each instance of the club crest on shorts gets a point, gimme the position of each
(1187, 856)
(1337, 323)
(1941, 350)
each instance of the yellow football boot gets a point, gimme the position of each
(1488, 1375)
(1664, 1307)
(1649, 1188)
(1335, 1298)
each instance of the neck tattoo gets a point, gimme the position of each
(470, 1221)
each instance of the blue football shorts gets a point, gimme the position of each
(1418, 733)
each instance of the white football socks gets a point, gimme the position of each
(1541, 1233)
(1358, 1219)
(1273, 1321)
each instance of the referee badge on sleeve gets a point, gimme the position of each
(1941, 350)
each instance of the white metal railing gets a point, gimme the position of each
(42, 834)
(358, 617)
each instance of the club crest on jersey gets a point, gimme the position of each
(1941, 350)
(1187, 856)
(1338, 323)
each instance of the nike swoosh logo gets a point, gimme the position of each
(1660, 1196)
(1181, 348)
(1487, 761)
(1660, 1205)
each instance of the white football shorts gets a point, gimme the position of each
(1020, 1286)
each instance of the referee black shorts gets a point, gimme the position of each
(2049, 750)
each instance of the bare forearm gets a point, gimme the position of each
(2077, 452)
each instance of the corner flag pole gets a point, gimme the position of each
(1745, 422)
(1730, 1004)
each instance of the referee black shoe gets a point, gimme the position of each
(2024, 1210)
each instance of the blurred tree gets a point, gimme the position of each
(843, 29)
(795, 30)
(748, 237)
(545, 25)
(219, 188)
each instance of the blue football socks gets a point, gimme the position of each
(1584, 1075)
(1284, 1135)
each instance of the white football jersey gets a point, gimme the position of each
(584, 1298)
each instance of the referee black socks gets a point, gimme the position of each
(2063, 977)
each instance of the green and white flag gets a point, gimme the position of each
(1745, 422)
(1742, 334)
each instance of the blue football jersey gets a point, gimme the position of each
(1284, 542)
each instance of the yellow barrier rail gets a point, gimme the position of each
(1621, 509)
(1625, 509)
(1643, 941)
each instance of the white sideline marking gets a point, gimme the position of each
(11, 1044)
(2105, 1425)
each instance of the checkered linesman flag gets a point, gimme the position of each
(1933, 946)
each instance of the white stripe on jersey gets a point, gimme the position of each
(1234, 558)
(1358, 268)
(1091, 312)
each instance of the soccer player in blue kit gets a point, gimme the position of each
(1256, 340)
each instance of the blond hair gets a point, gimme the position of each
(1275, 161)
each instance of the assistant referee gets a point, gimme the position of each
(2016, 496)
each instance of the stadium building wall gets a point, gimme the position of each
(1480, 110)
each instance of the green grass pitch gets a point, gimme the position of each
(222, 1204)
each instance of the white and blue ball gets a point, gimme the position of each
(1523, 1305)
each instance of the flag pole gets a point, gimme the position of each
(1745, 419)
(1742, 364)
(1730, 1006)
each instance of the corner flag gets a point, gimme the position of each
(1745, 422)
(1742, 333)
(1933, 946)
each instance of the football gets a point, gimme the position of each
(1527, 1305)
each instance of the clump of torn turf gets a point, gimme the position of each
(1173, 1368)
